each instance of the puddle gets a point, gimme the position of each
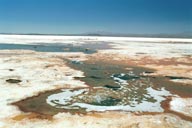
(132, 99)
(87, 48)
(112, 88)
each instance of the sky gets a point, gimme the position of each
(84, 16)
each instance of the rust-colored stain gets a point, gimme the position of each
(31, 116)
(166, 104)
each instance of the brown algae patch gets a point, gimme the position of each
(112, 87)
(38, 105)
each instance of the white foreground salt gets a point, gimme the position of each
(182, 105)
(30, 69)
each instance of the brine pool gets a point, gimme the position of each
(111, 87)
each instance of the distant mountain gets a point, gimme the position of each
(160, 35)
(103, 33)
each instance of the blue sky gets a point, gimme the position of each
(81, 16)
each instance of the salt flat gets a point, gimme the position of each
(27, 74)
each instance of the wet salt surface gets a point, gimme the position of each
(58, 101)
(135, 94)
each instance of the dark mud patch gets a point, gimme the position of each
(148, 72)
(11, 70)
(178, 78)
(182, 90)
(100, 73)
(114, 87)
(13, 81)
(38, 104)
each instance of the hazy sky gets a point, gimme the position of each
(81, 16)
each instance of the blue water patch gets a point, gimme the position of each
(48, 48)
